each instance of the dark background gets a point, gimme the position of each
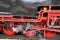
(24, 7)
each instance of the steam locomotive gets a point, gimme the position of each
(30, 20)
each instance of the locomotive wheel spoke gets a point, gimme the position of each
(7, 29)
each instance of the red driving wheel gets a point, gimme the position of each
(49, 34)
(7, 29)
(8, 32)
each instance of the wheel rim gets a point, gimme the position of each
(49, 34)
(8, 32)
(7, 29)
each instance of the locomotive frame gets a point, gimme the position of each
(46, 21)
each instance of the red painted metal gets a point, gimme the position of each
(49, 34)
(30, 33)
(40, 23)
(8, 32)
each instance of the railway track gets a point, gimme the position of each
(22, 37)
